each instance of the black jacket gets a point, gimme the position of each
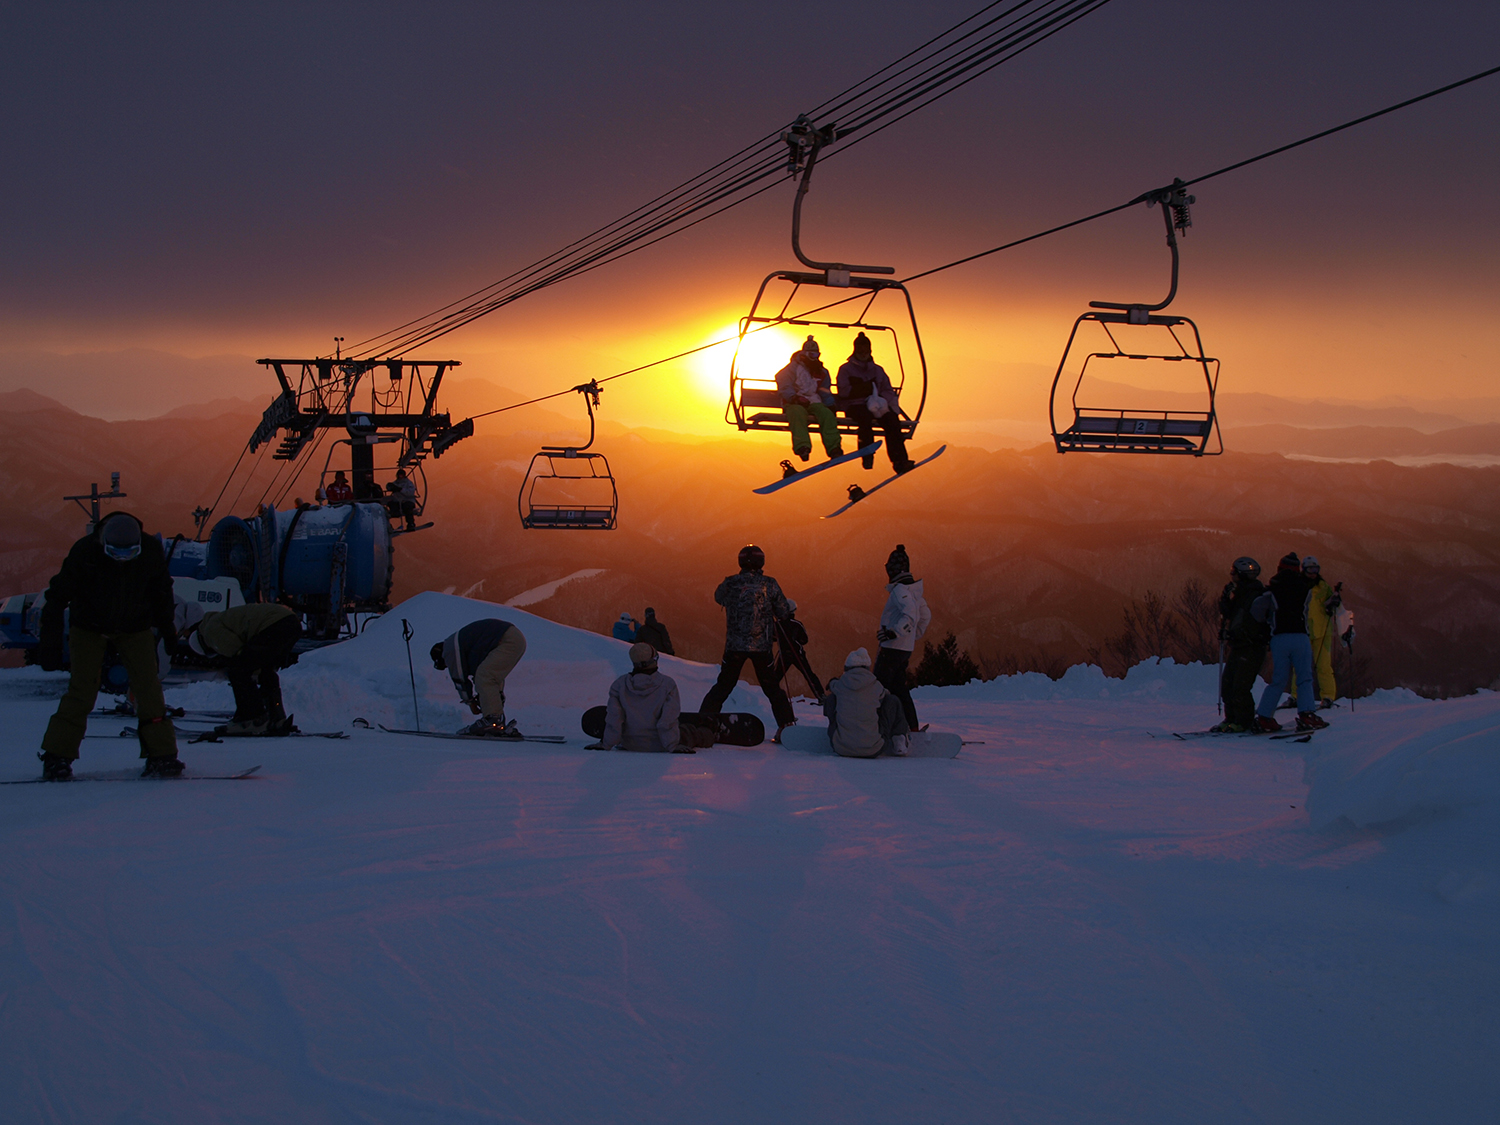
(1240, 627)
(655, 634)
(106, 596)
(1290, 588)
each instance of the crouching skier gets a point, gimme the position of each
(479, 657)
(864, 719)
(115, 583)
(643, 708)
(257, 640)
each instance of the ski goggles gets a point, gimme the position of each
(122, 554)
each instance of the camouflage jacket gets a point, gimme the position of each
(752, 604)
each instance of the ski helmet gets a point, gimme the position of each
(1245, 567)
(1310, 564)
(752, 557)
(121, 537)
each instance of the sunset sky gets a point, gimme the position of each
(245, 180)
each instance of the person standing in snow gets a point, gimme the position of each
(625, 628)
(902, 623)
(1323, 601)
(1245, 640)
(257, 640)
(806, 389)
(115, 587)
(864, 719)
(654, 633)
(479, 657)
(1291, 647)
(753, 603)
(643, 709)
(867, 397)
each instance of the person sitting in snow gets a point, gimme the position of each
(807, 389)
(643, 709)
(257, 640)
(625, 628)
(864, 719)
(479, 657)
(902, 623)
(869, 398)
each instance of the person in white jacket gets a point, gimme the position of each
(643, 709)
(864, 719)
(902, 624)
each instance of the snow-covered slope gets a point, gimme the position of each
(1079, 919)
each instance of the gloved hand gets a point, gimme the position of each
(49, 654)
(1334, 602)
(883, 634)
(169, 642)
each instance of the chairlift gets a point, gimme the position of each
(567, 488)
(373, 490)
(1153, 339)
(754, 402)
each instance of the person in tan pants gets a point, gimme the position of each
(479, 657)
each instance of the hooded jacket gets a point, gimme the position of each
(858, 712)
(106, 595)
(229, 631)
(906, 614)
(642, 713)
(753, 603)
(655, 634)
(859, 379)
(804, 377)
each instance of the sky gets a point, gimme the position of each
(240, 180)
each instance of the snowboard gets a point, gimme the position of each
(736, 728)
(553, 738)
(133, 775)
(803, 474)
(1279, 736)
(810, 739)
(856, 494)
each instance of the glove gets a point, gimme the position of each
(1334, 602)
(169, 642)
(883, 634)
(49, 655)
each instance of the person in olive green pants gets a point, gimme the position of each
(257, 640)
(115, 586)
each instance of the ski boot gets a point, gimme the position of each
(1264, 725)
(487, 726)
(55, 767)
(898, 745)
(904, 467)
(779, 729)
(1310, 720)
(280, 728)
(163, 766)
(1226, 727)
(244, 728)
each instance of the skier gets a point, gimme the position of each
(402, 503)
(1245, 640)
(257, 640)
(752, 603)
(115, 585)
(654, 633)
(806, 389)
(864, 718)
(1323, 602)
(339, 491)
(1291, 648)
(867, 396)
(643, 709)
(625, 628)
(902, 623)
(479, 657)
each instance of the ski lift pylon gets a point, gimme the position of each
(567, 488)
(1155, 338)
(754, 402)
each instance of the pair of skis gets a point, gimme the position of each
(553, 738)
(856, 493)
(131, 775)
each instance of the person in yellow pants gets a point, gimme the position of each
(1322, 600)
(115, 586)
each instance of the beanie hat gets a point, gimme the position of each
(642, 653)
(859, 658)
(810, 347)
(861, 344)
(437, 657)
(1311, 563)
(1290, 561)
(899, 562)
(625, 616)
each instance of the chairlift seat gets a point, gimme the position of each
(589, 472)
(1127, 433)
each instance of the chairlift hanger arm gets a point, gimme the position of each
(1175, 213)
(804, 143)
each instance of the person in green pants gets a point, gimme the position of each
(807, 390)
(116, 585)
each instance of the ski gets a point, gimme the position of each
(802, 474)
(133, 776)
(856, 494)
(220, 736)
(553, 738)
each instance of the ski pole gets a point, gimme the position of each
(407, 633)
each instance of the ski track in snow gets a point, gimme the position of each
(1073, 922)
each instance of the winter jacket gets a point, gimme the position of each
(752, 605)
(805, 378)
(858, 728)
(466, 649)
(108, 596)
(1291, 591)
(859, 379)
(1241, 629)
(1319, 614)
(230, 631)
(906, 614)
(623, 631)
(642, 713)
(654, 633)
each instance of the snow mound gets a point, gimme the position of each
(1165, 681)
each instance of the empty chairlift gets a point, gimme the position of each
(568, 488)
(1109, 411)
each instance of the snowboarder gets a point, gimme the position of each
(257, 640)
(402, 503)
(643, 709)
(339, 491)
(902, 623)
(753, 603)
(1291, 647)
(864, 719)
(115, 585)
(625, 628)
(806, 389)
(1245, 639)
(867, 397)
(654, 633)
(1323, 602)
(479, 657)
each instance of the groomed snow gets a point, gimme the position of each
(1080, 919)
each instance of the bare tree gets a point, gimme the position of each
(1198, 617)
